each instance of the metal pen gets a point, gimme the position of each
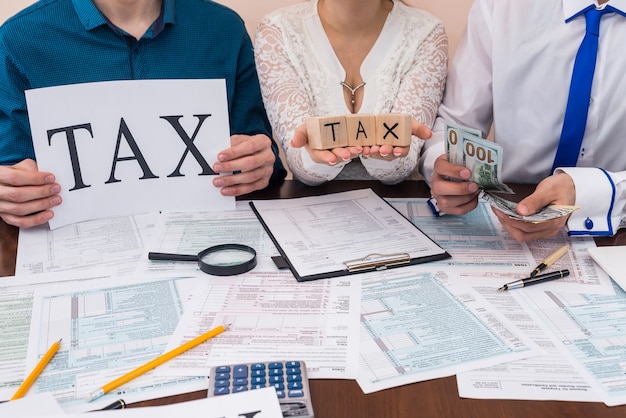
(536, 279)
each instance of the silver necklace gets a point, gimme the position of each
(352, 89)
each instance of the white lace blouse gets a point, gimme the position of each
(300, 77)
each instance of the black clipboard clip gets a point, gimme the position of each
(377, 261)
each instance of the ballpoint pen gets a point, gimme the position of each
(154, 363)
(534, 280)
(28, 382)
(549, 260)
(119, 404)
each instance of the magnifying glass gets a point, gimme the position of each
(219, 260)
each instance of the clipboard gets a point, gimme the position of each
(296, 227)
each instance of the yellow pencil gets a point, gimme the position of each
(154, 363)
(26, 385)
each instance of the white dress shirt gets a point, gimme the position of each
(512, 68)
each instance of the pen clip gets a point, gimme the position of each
(377, 261)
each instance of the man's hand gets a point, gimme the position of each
(557, 189)
(450, 186)
(26, 194)
(252, 157)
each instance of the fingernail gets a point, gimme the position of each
(383, 155)
(332, 163)
(218, 182)
(47, 215)
(55, 201)
(465, 174)
(222, 157)
(522, 209)
(49, 179)
(217, 168)
(55, 189)
(473, 187)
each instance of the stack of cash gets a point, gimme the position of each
(466, 146)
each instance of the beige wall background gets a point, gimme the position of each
(452, 13)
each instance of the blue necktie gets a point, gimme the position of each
(580, 92)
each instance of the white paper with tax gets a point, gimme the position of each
(131, 146)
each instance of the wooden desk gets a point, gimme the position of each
(343, 398)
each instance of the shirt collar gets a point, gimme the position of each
(91, 17)
(573, 8)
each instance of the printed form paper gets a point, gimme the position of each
(16, 303)
(273, 318)
(593, 330)
(416, 329)
(115, 243)
(552, 376)
(478, 243)
(108, 328)
(319, 234)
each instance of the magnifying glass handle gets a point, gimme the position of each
(172, 257)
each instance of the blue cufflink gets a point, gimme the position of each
(588, 223)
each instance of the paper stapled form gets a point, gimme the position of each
(344, 233)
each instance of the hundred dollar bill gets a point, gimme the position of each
(454, 134)
(484, 160)
(544, 214)
(466, 146)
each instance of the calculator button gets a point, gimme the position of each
(240, 371)
(276, 379)
(221, 391)
(279, 386)
(257, 366)
(257, 386)
(223, 369)
(222, 383)
(293, 370)
(294, 385)
(257, 373)
(292, 364)
(294, 378)
(297, 393)
(257, 380)
(280, 394)
(275, 365)
(240, 382)
(222, 376)
(237, 389)
(276, 372)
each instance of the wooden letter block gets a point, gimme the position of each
(393, 129)
(327, 132)
(361, 130)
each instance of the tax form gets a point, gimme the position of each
(593, 330)
(115, 243)
(479, 245)
(554, 375)
(415, 328)
(108, 327)
(272, 318)
(343, 233)
(16, 303)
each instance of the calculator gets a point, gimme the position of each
(289, 378)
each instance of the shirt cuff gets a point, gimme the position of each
(595, 194)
